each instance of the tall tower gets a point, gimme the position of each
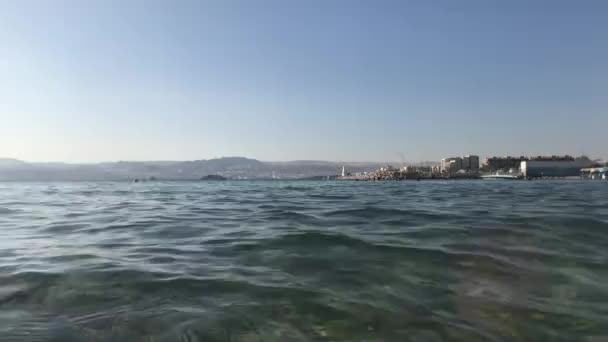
(343, 171)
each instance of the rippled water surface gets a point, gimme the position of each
(304, 261)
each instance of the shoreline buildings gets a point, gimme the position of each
(493, 164)
(469, 163)
(468, 167)
(554, 166)
(594, 173)
(538, 166)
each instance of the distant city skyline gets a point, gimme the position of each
(384, 81)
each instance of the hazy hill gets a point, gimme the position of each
(11, 163)
(230, 167)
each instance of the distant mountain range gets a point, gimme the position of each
(229, 167)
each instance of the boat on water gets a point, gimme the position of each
(498, 175)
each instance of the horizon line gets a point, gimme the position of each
(260, 160)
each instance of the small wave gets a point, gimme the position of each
(121, 192)
(89, 192)
(175, 231)
(280, 215)
(107, 314)
(161, 260)
(77, 214)
(294, 188)
(117, 227)
(226, 199)
(9, 292)
(71, 258)
(155, 251)
(64, 227)
(330, 196)
(305, 239)
(384, 213)
(7, 211)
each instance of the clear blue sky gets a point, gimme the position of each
(85, 81)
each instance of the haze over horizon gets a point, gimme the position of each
(390, 162)
(317, 80)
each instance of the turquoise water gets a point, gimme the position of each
(304, 261)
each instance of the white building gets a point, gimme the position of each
(454, 164)
(451, 164)
(551, 168)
